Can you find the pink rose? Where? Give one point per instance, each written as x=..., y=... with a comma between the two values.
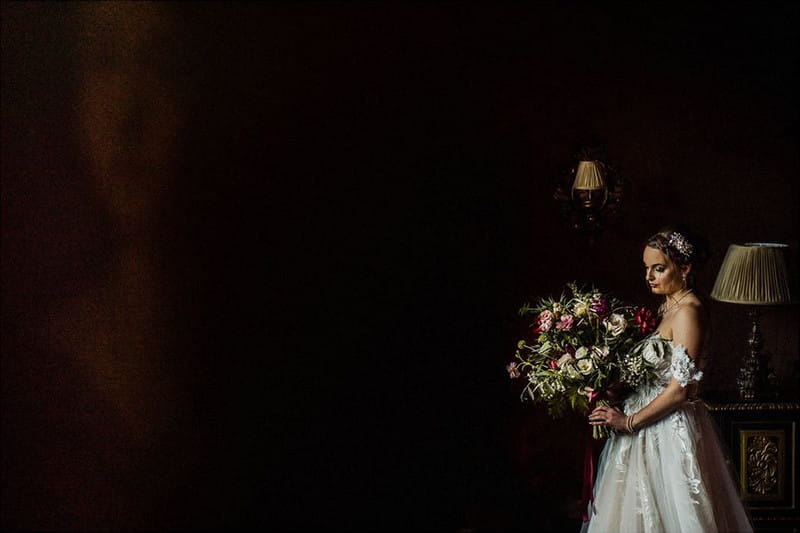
x=545, y=320
x=565, y=322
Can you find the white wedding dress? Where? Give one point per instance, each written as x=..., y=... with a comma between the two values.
x=670, y=476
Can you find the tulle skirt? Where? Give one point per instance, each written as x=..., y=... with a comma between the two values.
x=669, y=477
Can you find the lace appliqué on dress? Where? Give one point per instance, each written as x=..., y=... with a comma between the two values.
x=689, y=461
x=683, y=368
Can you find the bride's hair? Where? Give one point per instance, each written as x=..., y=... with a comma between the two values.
x=681, y=245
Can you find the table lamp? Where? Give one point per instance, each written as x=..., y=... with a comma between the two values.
x=753, y=274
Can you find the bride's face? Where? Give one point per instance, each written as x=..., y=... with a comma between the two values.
x=662, y=275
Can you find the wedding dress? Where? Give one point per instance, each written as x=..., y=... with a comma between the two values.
x=670, y=476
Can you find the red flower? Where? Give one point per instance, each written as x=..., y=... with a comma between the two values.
x=647, y=320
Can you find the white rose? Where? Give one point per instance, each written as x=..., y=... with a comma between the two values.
x=616, y=324
x=581, y=352
x=585, y=366
x=600, y=353
x=566, y=358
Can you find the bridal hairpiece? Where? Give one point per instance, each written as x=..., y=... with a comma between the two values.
x=680, y=244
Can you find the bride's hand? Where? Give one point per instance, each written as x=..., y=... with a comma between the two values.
x=605, y=415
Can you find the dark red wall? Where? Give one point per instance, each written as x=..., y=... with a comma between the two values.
x=261, y=262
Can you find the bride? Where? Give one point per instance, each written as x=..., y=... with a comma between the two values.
x=664, y=470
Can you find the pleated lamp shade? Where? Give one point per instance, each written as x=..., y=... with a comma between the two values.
x=753, y=273
x=588, y=177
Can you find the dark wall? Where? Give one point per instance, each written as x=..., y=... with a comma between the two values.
x=261, y=261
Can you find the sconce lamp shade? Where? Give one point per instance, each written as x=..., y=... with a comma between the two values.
x=753, y=273
x=588, y=177
x=589, y=192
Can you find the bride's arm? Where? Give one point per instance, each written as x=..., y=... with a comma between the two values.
x=687, y=331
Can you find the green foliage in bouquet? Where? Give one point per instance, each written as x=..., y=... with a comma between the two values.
x=579, y=340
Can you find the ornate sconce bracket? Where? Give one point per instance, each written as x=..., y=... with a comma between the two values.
x=589, y=193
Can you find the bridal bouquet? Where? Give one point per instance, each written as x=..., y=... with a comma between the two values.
x=582, y=339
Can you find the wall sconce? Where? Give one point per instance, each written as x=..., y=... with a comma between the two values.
x=753, y=274
x=589, y=194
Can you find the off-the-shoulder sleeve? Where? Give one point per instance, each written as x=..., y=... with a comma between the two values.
x=683, y=368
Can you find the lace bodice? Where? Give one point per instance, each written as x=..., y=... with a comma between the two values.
x=669, y=361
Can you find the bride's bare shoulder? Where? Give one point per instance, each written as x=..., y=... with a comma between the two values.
x=691, y=315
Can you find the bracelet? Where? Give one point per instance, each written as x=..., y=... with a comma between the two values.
x=629, y=424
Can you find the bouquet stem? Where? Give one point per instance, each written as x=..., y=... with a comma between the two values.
x=601, y=432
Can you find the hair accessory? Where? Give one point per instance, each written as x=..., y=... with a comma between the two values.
x=681, y=245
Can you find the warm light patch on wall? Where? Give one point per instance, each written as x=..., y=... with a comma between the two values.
x=128, y=118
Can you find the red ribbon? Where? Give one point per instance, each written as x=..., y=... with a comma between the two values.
x=588, y=464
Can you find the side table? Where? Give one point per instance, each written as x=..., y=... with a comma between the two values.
x=761, y=437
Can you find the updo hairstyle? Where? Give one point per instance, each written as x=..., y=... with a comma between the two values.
x=682, y=247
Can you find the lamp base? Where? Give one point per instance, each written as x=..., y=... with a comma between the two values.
x=752, y=375
x=748, y=383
